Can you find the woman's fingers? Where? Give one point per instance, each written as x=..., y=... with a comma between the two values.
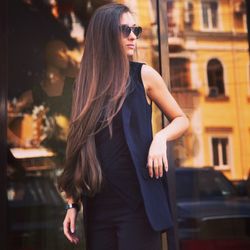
x=165, y=162
x=155, y=166
x=69, y=226
x=150, y=167
x=72, y=225
x=160, y=169
x=66, y=225
x=75, y=239
x=157, y=157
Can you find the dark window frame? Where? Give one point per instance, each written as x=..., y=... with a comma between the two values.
x=220, y=158
x=210, y=14
x=3, y=125
x=215, y=78
x=180, y=77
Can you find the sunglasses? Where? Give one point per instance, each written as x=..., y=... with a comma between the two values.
x=126, y=30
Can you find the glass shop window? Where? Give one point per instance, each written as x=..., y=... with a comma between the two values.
x=45, y=46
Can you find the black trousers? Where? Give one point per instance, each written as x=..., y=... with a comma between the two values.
x=110, y=224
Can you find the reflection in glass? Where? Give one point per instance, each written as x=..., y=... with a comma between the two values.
x=45, y=46
x=44, y=54
x=211, y=215
x=209, y=80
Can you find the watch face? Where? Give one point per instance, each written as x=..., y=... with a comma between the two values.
x=73, y=205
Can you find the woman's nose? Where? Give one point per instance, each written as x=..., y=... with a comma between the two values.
x=132, y=36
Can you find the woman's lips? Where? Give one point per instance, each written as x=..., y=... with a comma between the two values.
x=131, y=46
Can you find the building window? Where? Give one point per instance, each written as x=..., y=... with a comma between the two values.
x=220, y=151
x=240, y=15
x=170, y=16
x=215, y=78
x=210, y=14
x=179, y=73
x=189, y=15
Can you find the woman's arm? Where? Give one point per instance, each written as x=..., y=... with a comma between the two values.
x=25, y=100
x=158, y=92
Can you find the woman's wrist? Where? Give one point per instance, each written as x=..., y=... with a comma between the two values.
x=71, y=205
x=162, y=135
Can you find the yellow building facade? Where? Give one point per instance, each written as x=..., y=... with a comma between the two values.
x=209, y=71
x=210, y=37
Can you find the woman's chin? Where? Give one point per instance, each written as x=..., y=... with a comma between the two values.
x=130, y=53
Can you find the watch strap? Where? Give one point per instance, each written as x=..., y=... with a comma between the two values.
x=72, y=205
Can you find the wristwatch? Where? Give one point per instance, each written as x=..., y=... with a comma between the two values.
x=72, y=205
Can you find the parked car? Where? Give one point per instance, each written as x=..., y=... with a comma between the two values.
x=211, y=214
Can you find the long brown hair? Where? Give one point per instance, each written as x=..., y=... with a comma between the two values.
x=99, y=93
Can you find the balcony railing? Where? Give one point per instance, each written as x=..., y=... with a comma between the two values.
x=175, y=38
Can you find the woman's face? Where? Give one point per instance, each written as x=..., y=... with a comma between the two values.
x=56, y=54
x=130, y=41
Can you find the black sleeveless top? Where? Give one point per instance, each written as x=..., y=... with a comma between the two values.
x=57, y=104
x=117, y=166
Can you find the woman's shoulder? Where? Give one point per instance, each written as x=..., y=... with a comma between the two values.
x=143, y=67
x=149, y=73
x=144, y=70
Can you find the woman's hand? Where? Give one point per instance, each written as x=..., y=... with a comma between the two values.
x=69, y=225
x=157, y=156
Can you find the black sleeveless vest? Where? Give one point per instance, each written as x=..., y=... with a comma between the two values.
x=137, y=115
x=136, y=118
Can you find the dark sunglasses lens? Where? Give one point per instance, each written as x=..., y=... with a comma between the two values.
x=137, y=31
x=126, y=30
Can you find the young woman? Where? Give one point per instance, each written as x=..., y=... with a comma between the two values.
x=114, y=164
